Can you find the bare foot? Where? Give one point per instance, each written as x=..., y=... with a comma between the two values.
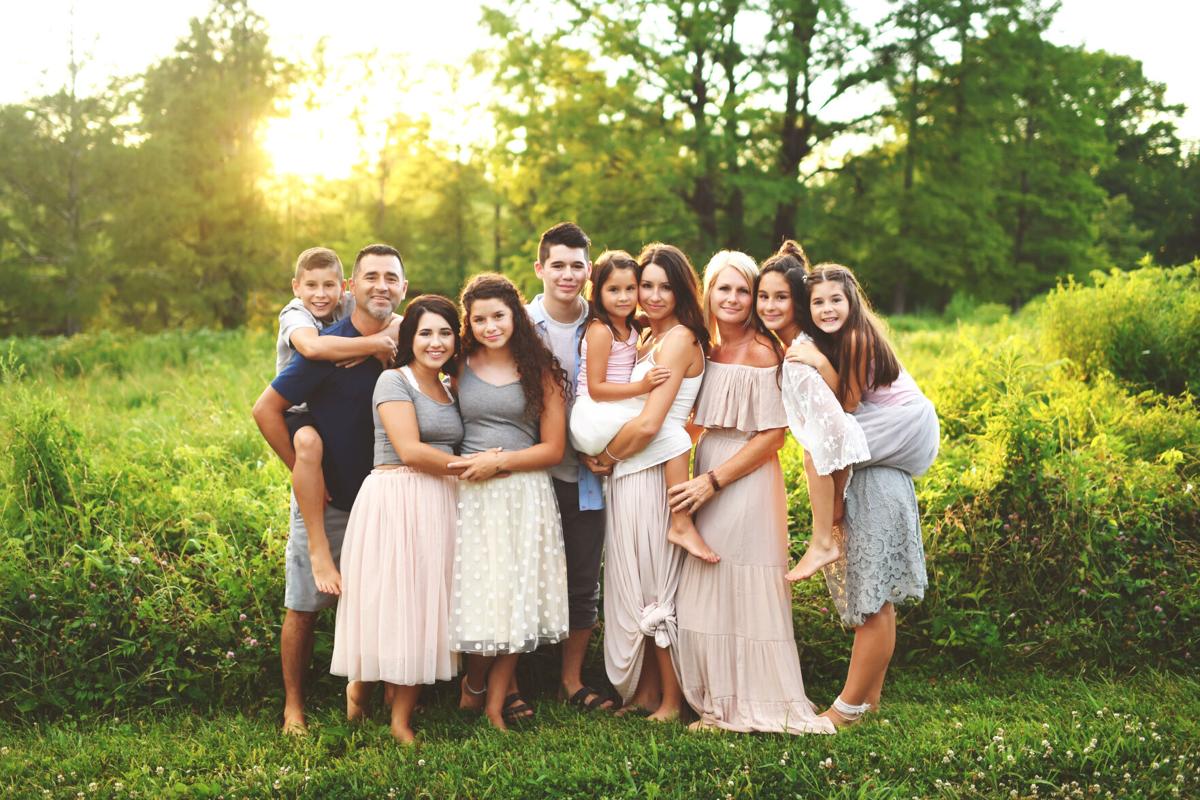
x=293, y=722
x=703, y=725
x=690, y=539
x=637, y=709
x=664, y=714
x=497, y=720
x=813, y=559
x=468, y=698
x=358, y=697
x=403, y=734
x=326, y=576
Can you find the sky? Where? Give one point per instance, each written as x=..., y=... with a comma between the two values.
x=123, y=37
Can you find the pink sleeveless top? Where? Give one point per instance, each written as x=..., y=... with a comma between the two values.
x=620, y=361
x=900, y=392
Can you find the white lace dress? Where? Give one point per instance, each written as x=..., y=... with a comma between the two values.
x=833, y=438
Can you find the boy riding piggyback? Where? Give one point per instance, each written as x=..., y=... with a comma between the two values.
x=320, y=300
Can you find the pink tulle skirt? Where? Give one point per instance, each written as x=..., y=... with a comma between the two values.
x=392, y=618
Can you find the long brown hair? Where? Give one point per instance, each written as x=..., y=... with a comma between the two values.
x=860, y=345
x=533, y=359
x=681, y=277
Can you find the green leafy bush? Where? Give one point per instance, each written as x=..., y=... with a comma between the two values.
x=1142, y=326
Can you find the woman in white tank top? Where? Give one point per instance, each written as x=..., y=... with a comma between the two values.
x=641, y=566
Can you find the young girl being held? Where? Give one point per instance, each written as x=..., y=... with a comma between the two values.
x=605, y=399
x=845, y=342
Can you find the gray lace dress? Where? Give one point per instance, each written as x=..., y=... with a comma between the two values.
x=885, y=559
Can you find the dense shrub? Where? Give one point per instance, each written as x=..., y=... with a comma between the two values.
x=142, y=520
x=1061, y=518
x=145, y=567
x=1142, y=326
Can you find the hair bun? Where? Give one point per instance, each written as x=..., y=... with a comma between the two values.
x=791, y=247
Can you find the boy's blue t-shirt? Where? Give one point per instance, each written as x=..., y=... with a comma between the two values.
x=340, y=402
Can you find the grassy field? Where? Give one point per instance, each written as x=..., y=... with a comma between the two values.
x=1022, y=736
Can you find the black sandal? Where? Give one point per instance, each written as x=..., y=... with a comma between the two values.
x=580, y=701
x=514, y=708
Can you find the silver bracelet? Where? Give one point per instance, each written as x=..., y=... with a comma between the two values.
x=610, y=455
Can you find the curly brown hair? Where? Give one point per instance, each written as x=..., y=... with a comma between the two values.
x=533, y=359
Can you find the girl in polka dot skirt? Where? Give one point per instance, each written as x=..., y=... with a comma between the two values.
x=509, y=591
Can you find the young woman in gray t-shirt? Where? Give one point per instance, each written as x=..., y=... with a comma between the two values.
x=509, y=590
x=392, y=620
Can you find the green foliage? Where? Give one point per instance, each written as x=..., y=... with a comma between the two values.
x=142, y=516
x=145, y=564
x=1142, y=326
x=1060, y=518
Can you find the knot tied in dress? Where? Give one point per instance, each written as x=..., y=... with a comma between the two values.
x=655, y=619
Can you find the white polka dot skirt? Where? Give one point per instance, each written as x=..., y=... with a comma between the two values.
x=510, y=574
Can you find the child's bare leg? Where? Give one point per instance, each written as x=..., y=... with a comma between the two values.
x=308, y=483
x=682, y=532
x=840, y=477
x=822, y=549
x=358, y=697
x=404, y=700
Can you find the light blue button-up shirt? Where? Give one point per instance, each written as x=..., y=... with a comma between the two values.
x=591, y=494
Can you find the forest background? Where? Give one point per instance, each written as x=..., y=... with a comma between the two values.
x=992, y=164
x=1031, y=208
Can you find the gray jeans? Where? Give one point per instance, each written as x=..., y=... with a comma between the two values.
x=300, y=592
x=583, y=543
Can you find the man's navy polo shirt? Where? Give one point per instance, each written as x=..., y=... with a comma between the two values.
x=340, y=402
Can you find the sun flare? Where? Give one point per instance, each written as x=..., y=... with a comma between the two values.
x=311, y=143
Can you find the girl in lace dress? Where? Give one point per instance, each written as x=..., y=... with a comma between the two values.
x=605, y=398
x=831, y=438
x=882, y=561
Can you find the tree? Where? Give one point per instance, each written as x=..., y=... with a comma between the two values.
x=198, y=235
x=60, y=169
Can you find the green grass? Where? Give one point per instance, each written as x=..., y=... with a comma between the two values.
x=962, y=736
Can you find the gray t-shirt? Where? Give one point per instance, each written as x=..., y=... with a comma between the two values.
x=295, y=316
x=562, y=339
x=493, y=416
x=439, y=422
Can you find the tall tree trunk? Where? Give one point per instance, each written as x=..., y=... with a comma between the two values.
x=796, y=123
x=703, y=198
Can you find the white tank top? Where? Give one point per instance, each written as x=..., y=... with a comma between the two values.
x=672, y=438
